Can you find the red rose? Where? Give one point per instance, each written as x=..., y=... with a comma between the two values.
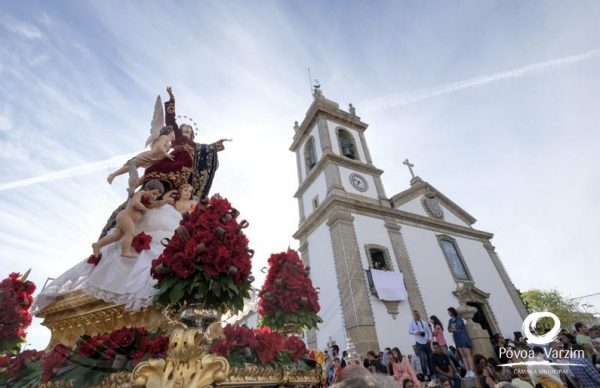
x=220, y=347
x=54, y=361
x=94, y=259
x=141, y=242
x=296, y=347
x=158, y=346
x=88, y=348
x=183, y=268
x=29, y=287
x=122, y=338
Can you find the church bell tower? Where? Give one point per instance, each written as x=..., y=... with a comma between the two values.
x=343, y=230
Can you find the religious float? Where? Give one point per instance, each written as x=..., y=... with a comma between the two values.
x=146, y=309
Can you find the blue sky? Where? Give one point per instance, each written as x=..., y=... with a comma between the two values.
x=495, y=102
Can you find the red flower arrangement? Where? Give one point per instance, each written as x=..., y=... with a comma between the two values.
x=24, y=368
x=207, y=257
x=15, y=301
x=54, y=361
x=95, y=357
x=258, y=346
x=288, y=298
x=141, y=242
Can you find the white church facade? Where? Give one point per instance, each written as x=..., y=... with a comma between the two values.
x=351, y=234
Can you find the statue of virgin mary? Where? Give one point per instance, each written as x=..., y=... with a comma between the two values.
x=128, y=281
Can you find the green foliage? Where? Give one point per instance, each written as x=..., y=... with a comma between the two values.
x=568, y=311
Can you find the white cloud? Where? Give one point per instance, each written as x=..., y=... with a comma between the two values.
x=387, y=102
x=23, y=29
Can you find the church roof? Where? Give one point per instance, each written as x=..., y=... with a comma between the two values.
x=419, y=188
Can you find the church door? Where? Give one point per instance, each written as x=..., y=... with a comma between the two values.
x=481, y=318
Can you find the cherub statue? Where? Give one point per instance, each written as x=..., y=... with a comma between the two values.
x=160, y=141
x=184, y=200
x=127, y=218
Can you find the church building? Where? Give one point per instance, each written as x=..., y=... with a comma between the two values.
x=376, y=258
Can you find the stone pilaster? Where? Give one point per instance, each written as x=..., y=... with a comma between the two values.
x=301, y=209
x=415, y=299
x=298, y=161
x=512, y=290
x=353, y=291
x=333, y=180
x=363, y=142
x=324, y=138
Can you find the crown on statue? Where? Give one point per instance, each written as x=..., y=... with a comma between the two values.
x=188, y=121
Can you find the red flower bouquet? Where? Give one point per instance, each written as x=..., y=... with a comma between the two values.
x=288, y=299
x=94, y=358
x=22, y=368
x=15, y=318
x=207, y=260
x=141, y=242
x=258, y=346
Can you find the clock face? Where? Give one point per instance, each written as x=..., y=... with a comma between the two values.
x=359, y=182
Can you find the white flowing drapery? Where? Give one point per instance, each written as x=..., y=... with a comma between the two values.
x=118, y=279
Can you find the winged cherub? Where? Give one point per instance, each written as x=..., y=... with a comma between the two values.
x=160, y=140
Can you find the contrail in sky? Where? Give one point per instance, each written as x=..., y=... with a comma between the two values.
x=84, y=169
x=373, y=105
x=394, y=100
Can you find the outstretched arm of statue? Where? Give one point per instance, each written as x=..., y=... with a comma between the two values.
x=220, y=144
x=136, y=202
x=170, y=112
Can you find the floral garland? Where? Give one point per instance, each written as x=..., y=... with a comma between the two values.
x=15, y=301
x=288, y=298
x=207, y=257
x=260, y=346
x=24, y=368
x=92, y=359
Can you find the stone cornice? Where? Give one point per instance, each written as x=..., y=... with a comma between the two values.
x=329, y=206
x=327, y=108
x=337, y=160
x=421, y=188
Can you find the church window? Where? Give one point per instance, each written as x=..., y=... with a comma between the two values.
x=378, y=257
x=347, y=146
x=310, y=155
x=454, y=258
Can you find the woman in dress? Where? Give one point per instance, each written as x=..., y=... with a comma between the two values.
x=401, y=370
x=456, y=326
x=438, y=333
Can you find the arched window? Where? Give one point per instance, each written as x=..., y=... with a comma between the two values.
x=310, y=155
x=347, y=146
x=454, y=258
x=378, y=257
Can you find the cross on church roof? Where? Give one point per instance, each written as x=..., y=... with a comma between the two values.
x=415, y=178
x=410, y=166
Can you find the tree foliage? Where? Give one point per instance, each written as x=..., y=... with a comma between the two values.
x=567, y=310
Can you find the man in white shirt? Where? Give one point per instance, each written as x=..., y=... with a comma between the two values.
x=422, y=333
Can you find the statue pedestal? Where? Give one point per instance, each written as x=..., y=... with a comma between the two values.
x=77, y=313
x=480, y=338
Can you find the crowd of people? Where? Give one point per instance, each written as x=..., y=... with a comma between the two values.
x=574, y=360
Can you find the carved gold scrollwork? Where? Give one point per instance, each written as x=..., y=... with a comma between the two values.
x=186, y=364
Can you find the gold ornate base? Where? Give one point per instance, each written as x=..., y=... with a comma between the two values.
x=76, y=313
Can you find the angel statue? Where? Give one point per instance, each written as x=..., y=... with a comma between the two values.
x=160, y=140
x=189, y=162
